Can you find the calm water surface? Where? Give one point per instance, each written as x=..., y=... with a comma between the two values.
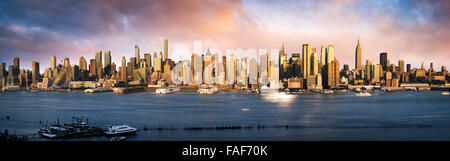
x=412, y=115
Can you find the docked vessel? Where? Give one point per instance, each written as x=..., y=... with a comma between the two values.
x=98, y=90
x=120, y=130
x=363, y=94
x=167, y=90
x=267, y=91
x=208, y=90
x=78, y=128
x=123, y=90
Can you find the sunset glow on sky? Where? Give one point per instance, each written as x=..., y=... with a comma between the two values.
x=414, y=30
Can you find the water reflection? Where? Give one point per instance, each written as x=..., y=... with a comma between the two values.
x=281, y=99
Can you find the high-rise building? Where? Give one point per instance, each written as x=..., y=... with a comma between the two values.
x=148, y=60
x=323, y=55
x=384, y=61
x=333, y=74
x=242, y=79
x=74, y=72
x=368, y=70
x=67, y=63
x=253, y=79
x=274, y=76
x=314, y=65
x=136, y=55
x=2, y=70
x=16, y=64
x=330, y=53
x=98, y=59
x=157, y=63
x=358, y=57
x=408, y=68
x=283, y=63
x=107, y=64
x=35, y=72
x=376, y=72
x=53, y=62
x=166, y=49
x=401, y=65
x=198, y=69
x=93, y=67
x=306, y=51
x=83, y=64
x=123, y=70
x=264, y=69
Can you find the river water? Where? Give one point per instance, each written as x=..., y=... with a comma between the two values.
x=406, y=115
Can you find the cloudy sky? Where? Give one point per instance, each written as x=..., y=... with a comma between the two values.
x=413, y=30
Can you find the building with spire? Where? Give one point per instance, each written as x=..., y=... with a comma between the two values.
x=358, y=57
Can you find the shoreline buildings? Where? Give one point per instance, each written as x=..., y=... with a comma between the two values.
x=306, y=70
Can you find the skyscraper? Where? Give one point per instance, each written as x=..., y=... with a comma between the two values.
x=401, y=65
x=98, y=59
x=264, y=69
x=2, y=70
x=93, y=67
x=136, y=55
x=323, y=54
x=314, y=64
x=166, y=49
x=253, y=79
x=83, y=64
x=358, y=57
x=198, y=69
x=283, y=63
x=16, y=64
x=376, y=72
x=148, y=60
x=35, y=72
x=368, y=70
x=107, y=63
x=306, y=51
x=123, y=70
x=67, y=63
x=53, y=62
x=384, y=61
x=330, y=53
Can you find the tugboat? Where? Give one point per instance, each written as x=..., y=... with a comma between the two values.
x=120, y=130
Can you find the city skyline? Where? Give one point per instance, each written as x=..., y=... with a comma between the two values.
x=410, y=30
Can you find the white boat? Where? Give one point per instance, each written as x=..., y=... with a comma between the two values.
x=167, y=90
x=363, y=94
x=245, y=109
x=162, y=91
x=327, y=91
x=208, y=90
x=120, y=130
x=445, y=93
x=267, y=91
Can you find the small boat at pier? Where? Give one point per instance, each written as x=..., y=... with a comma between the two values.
x=120, y=130
x=208, y=90
x=167, y=90
x=363, y=94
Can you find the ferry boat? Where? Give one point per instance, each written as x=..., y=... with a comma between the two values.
x=120, y=130
x=445, y=93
